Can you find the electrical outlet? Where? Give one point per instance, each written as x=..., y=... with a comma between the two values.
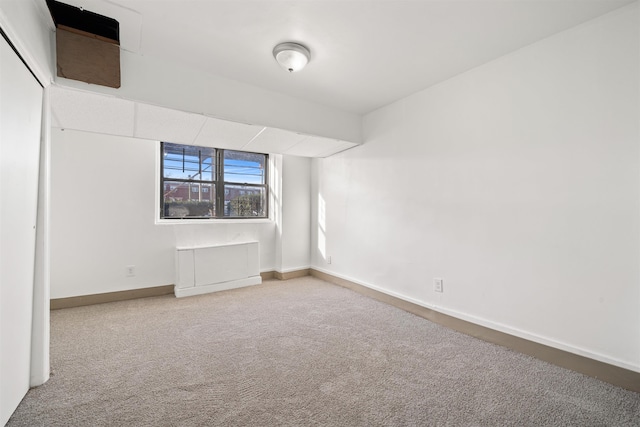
x=329, y=259
x=438, y=284
x=131, y=270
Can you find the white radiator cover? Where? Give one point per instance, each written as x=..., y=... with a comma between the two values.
x=204, y=269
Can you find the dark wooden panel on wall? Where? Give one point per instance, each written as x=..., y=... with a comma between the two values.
x=87, y=45
x=87, y=58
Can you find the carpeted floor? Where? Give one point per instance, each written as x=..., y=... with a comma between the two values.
x=300, y=352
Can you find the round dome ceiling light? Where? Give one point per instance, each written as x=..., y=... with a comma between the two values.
x=291, y=56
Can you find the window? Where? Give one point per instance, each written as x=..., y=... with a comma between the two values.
x=203, y=182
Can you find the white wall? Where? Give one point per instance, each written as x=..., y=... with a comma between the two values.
x=40, y=369
x=517, y=182
x=20, y=120
x=103, y=217
x=294, y=234
x=30, y=28
x=102, y=200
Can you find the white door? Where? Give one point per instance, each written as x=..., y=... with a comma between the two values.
x=20, y=130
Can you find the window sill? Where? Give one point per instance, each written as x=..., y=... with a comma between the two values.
x=213, y=221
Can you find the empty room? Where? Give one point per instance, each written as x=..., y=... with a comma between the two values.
x=320, y=212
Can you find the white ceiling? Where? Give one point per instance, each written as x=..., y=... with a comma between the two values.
x=364, y=53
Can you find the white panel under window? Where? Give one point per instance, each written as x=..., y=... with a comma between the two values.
x=214, y=268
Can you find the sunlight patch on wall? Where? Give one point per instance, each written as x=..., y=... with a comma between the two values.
x=322, y=243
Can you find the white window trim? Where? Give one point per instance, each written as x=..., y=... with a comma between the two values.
x=201, y=221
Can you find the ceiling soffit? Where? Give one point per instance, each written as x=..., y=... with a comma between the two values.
x=91, y=112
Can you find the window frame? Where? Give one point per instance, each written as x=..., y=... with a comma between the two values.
x=218, y=186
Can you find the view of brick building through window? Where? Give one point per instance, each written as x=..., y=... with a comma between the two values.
x=203, y=182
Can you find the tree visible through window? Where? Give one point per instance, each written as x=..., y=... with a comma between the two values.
x=204, y=182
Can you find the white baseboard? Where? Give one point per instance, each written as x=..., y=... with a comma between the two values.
x=493, y=325
x=234, y=284
x=290, y=270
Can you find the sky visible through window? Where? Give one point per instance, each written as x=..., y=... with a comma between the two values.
x=198, y=163
x=243, y=172
x=188, y=162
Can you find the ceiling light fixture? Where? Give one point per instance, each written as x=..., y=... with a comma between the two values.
x=291, y=56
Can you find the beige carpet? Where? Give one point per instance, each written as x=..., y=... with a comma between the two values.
x=300, y=352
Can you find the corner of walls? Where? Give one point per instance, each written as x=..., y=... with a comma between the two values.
x=40, y=369
x=104, y=222
x=518, y=182
x=292, y=213
x=296, y=213
x=275, y=205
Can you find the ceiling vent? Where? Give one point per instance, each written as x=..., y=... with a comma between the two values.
x=87, y=45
